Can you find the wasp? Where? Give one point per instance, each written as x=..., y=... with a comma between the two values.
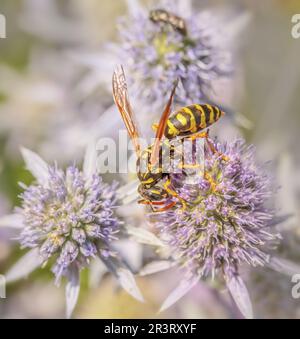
x=186, y=122
x=163, y=16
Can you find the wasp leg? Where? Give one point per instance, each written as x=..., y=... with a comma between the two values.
x=174, y=194
x=167, y=207
x=213, y=149
x=158, y=203
x=189, y=166
x=210, y=144
x=154, y=203
x=155, y=127
x=198, y=136
x=151, y=203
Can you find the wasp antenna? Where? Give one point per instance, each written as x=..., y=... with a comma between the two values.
x=119, y=68
x=176, y=83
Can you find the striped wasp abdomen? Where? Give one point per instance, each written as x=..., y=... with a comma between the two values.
x=191, y=119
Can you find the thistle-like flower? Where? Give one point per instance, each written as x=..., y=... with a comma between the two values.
x=68, y=218
x=158, y=53
x=226, y=223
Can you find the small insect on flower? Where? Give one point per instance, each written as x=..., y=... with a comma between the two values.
x=165, y=17
x=168, y=43
x=187, y=122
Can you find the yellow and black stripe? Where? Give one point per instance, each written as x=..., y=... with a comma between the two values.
x=149, y=176
x=192, y=119
x=155, y=193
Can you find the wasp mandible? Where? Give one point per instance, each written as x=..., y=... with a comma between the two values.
x=186, y=122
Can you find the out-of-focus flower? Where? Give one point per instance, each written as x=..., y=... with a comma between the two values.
x=46, y=108
x=119, y=305
x=69, y=24
x=68, y=218
x=227, y=221
x=45, y=105
x=29, y=103
x=157, y=55
x=5, y=234
x=271, y=291
x=48, y=301
x=57, y=28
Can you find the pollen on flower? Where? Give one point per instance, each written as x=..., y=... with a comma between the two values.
x=69, y=218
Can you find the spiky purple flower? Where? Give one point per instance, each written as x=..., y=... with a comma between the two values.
x=69, y=219
x=227, y=219
x=158, y=54
x=227, y=216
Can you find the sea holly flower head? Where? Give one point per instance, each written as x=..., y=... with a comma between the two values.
x=158, y=54
x=68, y=218
x=227, y=219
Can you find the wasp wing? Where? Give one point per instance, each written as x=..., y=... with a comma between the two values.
x=120, y=93
x=161, y=127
